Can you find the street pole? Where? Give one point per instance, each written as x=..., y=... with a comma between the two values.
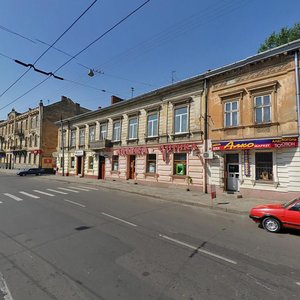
x=62, y=147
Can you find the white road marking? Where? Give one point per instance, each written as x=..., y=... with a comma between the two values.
x=4, y=288
x=74, y=202
x=79, y=188
x=298, y=283
x=68, y=190
x=88, y=187
x=29, y=195
x=126, y=222
x=13, y=197
x=1, y=202
x=59, y=192
x=197, y=249
x=44, y=193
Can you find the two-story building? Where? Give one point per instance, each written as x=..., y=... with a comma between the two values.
x=253, y=125
x=156, y=138
x=28, y=139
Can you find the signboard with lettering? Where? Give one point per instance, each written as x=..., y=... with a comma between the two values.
x=132, y=151
x=287, y=142
x=166, y=149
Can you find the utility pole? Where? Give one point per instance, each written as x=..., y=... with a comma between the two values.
x=62, y=146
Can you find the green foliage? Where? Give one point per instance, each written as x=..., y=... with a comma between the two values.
x=284, y=36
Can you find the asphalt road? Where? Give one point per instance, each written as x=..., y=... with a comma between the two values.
x=67, y=241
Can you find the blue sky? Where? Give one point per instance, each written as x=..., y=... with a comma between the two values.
x=165, y=37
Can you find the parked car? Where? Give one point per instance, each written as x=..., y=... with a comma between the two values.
x=32, y=171
x=273, y=217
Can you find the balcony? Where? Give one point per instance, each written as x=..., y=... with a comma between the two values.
x=19, y=132
x=99, y=145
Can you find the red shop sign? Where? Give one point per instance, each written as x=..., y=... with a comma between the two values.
x=132, y=151
x=165, y=149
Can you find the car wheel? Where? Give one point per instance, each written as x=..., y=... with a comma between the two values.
x=271, y=224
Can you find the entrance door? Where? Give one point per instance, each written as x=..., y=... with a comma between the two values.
x=79, y=165
x=131, y=166
x=233, y=177
x=101, y=167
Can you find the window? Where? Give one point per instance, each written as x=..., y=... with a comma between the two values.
x=151, y=163
x=26, y=124
x=81, y=136
x=92, y=134
x=72, y=162
x=152, y=124
x=264, y=166
x=231, y=113
x=115, y=163
x=117, y=131
x=262, y=106
x=91, y=162
x=73, y=138
x=181, y=120
x=179, y=164
x=30, y=141
x=132, y=134
x=103, y=132
x=36, y=140
x=34, y=158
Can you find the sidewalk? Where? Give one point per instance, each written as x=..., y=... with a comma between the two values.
x=225, y=202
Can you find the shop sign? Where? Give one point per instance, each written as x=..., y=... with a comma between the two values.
x=79, y=153
x=132, y=151
x=247, y=170
x=166, y=149
x=288, y=142
x=37, y=151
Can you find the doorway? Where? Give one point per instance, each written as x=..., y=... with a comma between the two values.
x=131, y=167
x=233, y=173
x=79, y=165
x=101, y=167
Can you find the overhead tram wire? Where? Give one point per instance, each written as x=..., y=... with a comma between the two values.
x=81, y=51
x=19, y=78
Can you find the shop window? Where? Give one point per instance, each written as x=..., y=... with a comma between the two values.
x=132, y=133
x=152, y=125
x=91, y=162
x=92, y=134
x=72, y=162
x=151, y=163
x=73, y=138
x=103, y=132
x=179, y=164
x=231, y=113
x=81, y=136
x=262, y=106
x=181, y=120
x=264, y=166
x=117, y=131
x=61, y=162
x=115, y=163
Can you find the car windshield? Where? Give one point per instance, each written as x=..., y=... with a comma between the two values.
x=287, y=204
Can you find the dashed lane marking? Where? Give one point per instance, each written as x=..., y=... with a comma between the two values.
x=80, y=189
x=43, y=193
x=13, y=197
x=79, y=204
x=197, y=249
x=126, y=222
x=68, y=190
x=55, y=191
x=29, y=195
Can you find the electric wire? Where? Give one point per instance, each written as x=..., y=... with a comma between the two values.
x=80, y=52
x=20, y=77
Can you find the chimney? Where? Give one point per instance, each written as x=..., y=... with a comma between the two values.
x=115, y=99
x=77, y=108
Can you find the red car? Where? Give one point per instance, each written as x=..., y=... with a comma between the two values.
x=273, y=217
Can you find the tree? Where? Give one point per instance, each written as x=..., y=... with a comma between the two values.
x=284, y=36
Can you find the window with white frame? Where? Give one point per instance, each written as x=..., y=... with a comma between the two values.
x=181, y=120
x=117, y=130
x=92, y=133
x=115, y=163
x=81, y=136
x=262, y=107
x=132, y=132
x=152, y=125
x=73, y=138
x=103, y=132
x=231, y=113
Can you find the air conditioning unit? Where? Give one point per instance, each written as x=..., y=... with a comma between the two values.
x=208, y=155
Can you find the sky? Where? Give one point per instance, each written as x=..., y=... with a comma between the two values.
x=165, y=41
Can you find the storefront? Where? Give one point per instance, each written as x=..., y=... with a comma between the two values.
x=260, y=167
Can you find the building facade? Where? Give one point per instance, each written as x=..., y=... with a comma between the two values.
x=156, y=138
x=254, y=127
x=29, y=139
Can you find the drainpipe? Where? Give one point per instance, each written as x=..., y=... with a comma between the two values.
x=205, y=134
x=297, y=89
x=62, y=146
